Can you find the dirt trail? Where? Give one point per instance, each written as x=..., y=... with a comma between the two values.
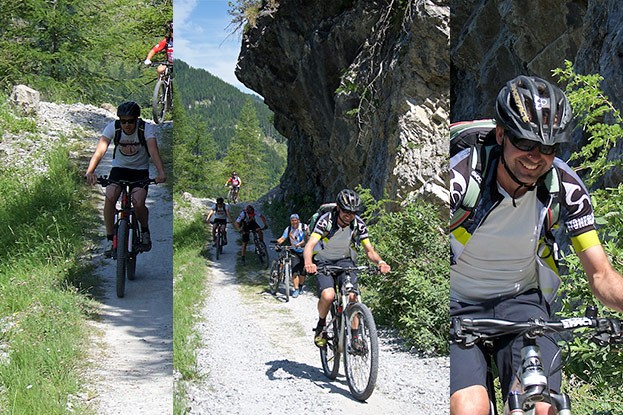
x=133, y=362
x=258, y=357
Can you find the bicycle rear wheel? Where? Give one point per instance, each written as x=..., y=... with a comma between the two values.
x=122, y=255
x=361, y=364
x=159, y=101
x=273, y=278
x=330, y=353
x=287, y=274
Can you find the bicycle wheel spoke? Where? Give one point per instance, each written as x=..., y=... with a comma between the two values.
x=361, y=359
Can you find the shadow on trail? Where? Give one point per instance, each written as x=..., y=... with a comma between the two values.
x=287, y=369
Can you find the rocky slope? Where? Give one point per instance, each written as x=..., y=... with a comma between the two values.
x=360, y=89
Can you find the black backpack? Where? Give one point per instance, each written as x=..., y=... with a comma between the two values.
x=141, y=136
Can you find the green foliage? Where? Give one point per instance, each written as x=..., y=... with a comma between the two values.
x=245, y=13
x=414, y=296
x=598, y=371
x=44, y=218
x=81, y=50
x=591, y=107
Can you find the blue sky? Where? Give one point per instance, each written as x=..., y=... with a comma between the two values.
x=202, y=39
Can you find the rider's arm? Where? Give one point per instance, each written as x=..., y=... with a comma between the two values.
x=100, y=151
x=308, y=253
x=374, y=256
x=154, y=153
x=264, y=220
x=606, y=283
x=157, y=48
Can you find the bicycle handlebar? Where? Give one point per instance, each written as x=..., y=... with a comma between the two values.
x=334, y=269
x=165, y=63
x=469, y=331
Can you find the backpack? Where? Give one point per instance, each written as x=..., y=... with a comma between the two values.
x=141, y=136
x=479, y=135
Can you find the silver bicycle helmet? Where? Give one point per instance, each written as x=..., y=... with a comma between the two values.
x=532, y=108
x=348, y=200
x=129, y=109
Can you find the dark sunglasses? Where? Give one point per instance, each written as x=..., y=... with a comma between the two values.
x=348, y=212
x=524, y=144
x=132, y=121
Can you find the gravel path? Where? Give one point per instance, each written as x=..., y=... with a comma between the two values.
x=259, y=358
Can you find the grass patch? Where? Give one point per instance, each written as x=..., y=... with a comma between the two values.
x=189, y=291
x=43, y=300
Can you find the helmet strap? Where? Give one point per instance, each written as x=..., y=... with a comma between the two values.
x=515, y=179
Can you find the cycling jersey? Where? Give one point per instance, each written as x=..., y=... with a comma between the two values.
x=165, y=44
x=337, y=242
x=220, y=212
x=234, y=181
x=296, y=236
x=245, y=217
x=576, y=213
x=130, y=156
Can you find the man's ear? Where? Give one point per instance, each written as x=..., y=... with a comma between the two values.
x=499, y=134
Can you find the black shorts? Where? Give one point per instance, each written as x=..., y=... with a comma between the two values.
x=223, y=221
x=132, y=175
x=327, y=281
x=468, y=366
x=297, y=263
x=247, y=227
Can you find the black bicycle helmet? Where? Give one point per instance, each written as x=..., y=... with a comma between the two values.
x=348, y=200
x=129, y=109
x=250, y=209
x=532, y=108
x=220, y=200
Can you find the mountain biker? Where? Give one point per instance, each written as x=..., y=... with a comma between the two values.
x=234, y=183
x=245, y=223
x=497, y=267
x=166, y=45
x=297, y=233
x=131, y=162
x=220, y=211
x=336, y=249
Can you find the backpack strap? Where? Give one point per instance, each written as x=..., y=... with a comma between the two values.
x=141, y=136
x=479, y=158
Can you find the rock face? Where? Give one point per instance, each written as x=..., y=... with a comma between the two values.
x=360, y=89
x=496, y=40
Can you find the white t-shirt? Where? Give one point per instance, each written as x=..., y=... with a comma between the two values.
x=134, y=156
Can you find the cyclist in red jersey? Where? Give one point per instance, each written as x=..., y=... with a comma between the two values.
x=166, y=45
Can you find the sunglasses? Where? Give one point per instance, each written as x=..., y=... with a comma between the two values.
x=132, y=121
x=524, y=144
x=348, y=212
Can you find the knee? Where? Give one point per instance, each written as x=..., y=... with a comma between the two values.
x=327, y=294
x=472, y=400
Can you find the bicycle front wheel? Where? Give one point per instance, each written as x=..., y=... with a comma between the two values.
x=273, y=278
x=219, y=245
x=361, y=357
x=122, y=255
x=262, y=253
x=330, y=353
x=287, y=274
x=133, y=242
x=159, y=101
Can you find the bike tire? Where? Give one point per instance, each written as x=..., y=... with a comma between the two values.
x=273, y=278
x=158, y=101
x=230, y=197
x=330, y=353
x=122, y=255
x=263, y=254
x=131, y=259
x=219, y=245
x=287, y=274
x=361, y=367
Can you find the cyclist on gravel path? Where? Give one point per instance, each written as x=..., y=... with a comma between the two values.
x=297, y=233
x=234, y=183
x=220, y=211
x=336, y=231
x=130, y=162
x=498, y=268
x=246, y=222
x=166, y=45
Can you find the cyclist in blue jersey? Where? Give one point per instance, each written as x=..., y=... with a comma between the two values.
x=297, y=234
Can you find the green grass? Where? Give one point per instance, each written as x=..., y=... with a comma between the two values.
x=43, y=300
x=190, y=270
